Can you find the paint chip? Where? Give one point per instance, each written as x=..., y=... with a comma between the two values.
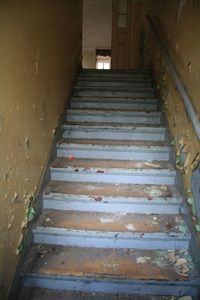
x=130, y=227
x=106, y=220
x=142, y=259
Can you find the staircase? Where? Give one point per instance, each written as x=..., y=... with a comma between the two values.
x=113, y=218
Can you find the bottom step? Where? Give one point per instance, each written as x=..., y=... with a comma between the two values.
x=111, y=270
x=46, y=294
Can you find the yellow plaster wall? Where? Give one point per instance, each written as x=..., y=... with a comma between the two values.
x=39, y=54
x=179, y=23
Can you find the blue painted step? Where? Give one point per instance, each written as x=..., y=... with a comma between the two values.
x=99, y=197
x=113, y=116
x=114, y=132
x=111, y=171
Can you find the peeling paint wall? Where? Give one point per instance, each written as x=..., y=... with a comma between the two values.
x=179, y=23
x=97, y=27
x=39, y=55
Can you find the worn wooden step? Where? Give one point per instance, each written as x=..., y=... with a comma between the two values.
x=113, y=171
x=113, y=116
x=108, y=149
x=105, y=197
x=124, y=93
x=114, y=131
x=49, y=294
x=111, y=270
x=112, y=230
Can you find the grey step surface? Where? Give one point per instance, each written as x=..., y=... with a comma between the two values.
x=107, y=149
x=81, y=92
x=111, y=79
x=111, y=270
x=97, y=197
x=118, y=84
x=110, y=105
x=49, y=294
x=114, y=74
x=113, y=171
x=114, y=100
x=114, y=131
x=110, y=116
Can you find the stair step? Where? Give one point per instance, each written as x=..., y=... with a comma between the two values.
x=114, y=74
x=49, y=294
x=114, y=131
x=110, y=105
x=103, y=197
x=109, y=84
x=101, y=93
x=113, y=171
x=112, y=230
x=110, y=116
x=116, y=100
x=111, y=79
x=111, y=270
x=108, y=149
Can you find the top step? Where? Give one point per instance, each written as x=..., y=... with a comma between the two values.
x=114, y=73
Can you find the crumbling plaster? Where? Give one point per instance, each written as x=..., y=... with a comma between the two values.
x=39, y=55
x=178, y=22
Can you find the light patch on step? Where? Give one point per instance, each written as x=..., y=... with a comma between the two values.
x=130, y=227
x=106, y=220
x=155, y=193
x=142, y=259
x=151, y=164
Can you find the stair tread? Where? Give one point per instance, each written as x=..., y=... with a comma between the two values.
x=103, y=164
x=126, y=143
x=115, y=112
x=110, y=263
x=111, y=222
x=48, y=294
x=112, y=190
x=113, y=125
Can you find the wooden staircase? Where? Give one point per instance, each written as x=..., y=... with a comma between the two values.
x=113, y=218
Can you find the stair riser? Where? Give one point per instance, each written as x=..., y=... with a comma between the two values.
x=112, y=153
x=142, y=178
x=103, y=93
x=114, y=119
x=123, y=205
x=113, y=84
x=117, y=106
x=153, y=241
x=86, y=284
x=115, y=135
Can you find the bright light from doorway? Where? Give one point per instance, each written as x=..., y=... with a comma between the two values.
x=103, y=65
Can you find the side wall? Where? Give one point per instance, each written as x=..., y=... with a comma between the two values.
x=39, y=55
x=97, y=27
x=178, y=21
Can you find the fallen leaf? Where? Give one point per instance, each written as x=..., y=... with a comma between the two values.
x=180, y=262
x=47, y=220
x=169, y=226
